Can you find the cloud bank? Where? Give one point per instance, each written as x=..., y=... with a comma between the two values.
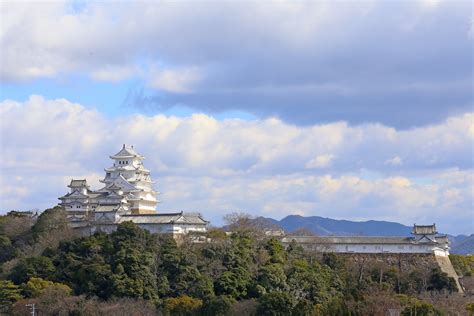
x=409, y=62
x=264, y=166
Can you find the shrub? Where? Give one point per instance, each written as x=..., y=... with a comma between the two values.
x=182, y=306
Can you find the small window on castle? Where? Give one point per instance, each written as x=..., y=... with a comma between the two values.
x=78, y=206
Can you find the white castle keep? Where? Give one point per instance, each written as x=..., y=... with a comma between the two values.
x=127, y=195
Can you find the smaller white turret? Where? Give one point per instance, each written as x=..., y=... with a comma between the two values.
x=425, y=233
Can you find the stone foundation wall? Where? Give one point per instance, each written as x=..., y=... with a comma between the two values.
x=404, y=263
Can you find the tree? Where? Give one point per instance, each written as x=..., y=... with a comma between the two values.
x=134, y=258
x=37, y=286
x=51, y=227
x=276, y=250
x=440, y=280
x=182, y=305
x=13, y=226
x=218, y=306
x=275, y=304
x=33, y=267
x=9, y=293
x=333, y=261
x=239, y=221
x=233, y=283
x=7, y=250
x=272, y=277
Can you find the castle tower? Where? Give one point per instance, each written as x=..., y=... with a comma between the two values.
x=424, y=233
x=76, y=202
x=133, y=179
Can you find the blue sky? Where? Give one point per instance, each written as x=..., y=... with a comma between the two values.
x=306, y=103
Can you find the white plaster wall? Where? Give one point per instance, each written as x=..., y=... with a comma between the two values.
x=370, y=248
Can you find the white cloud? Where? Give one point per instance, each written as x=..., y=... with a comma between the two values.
x=282, y=59
x=175, y=80
x=261, y=166
x=321, y=161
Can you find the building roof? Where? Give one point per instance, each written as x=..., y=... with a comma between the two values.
x=349, y=240
x=78, y=183
x=119, y=182
x=163, y=218
x=424, y=229
x=74, y=194
x=126, y=152
x=440, y=240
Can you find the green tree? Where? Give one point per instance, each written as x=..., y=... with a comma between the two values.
x=7, y=250
x=9, y=293
x=314, y=282
x=134, y=256
x=272, y=277
x=275, y=304
x=234, y=283
x=84, y=263
x=334, y=261
x=36, y=286
x=276, y=250
x=441, y=281
x=218, y=306
x=32, y=267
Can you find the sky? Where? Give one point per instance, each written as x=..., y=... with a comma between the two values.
x=345, y=109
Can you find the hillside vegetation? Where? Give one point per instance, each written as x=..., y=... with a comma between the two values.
x=464, y=265
x=245, y=273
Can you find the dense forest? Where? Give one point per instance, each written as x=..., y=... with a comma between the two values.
x=133, y=272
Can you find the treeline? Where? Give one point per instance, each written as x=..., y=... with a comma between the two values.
x=245, y=273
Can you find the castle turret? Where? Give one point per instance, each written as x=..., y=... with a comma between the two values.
x=424, y=232
x=128, y=173
x=76, y=202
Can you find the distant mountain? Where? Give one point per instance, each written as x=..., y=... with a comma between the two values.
x=462, y=244
x=327, y=226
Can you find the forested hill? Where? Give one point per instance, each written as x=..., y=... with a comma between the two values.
x=134, y=272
